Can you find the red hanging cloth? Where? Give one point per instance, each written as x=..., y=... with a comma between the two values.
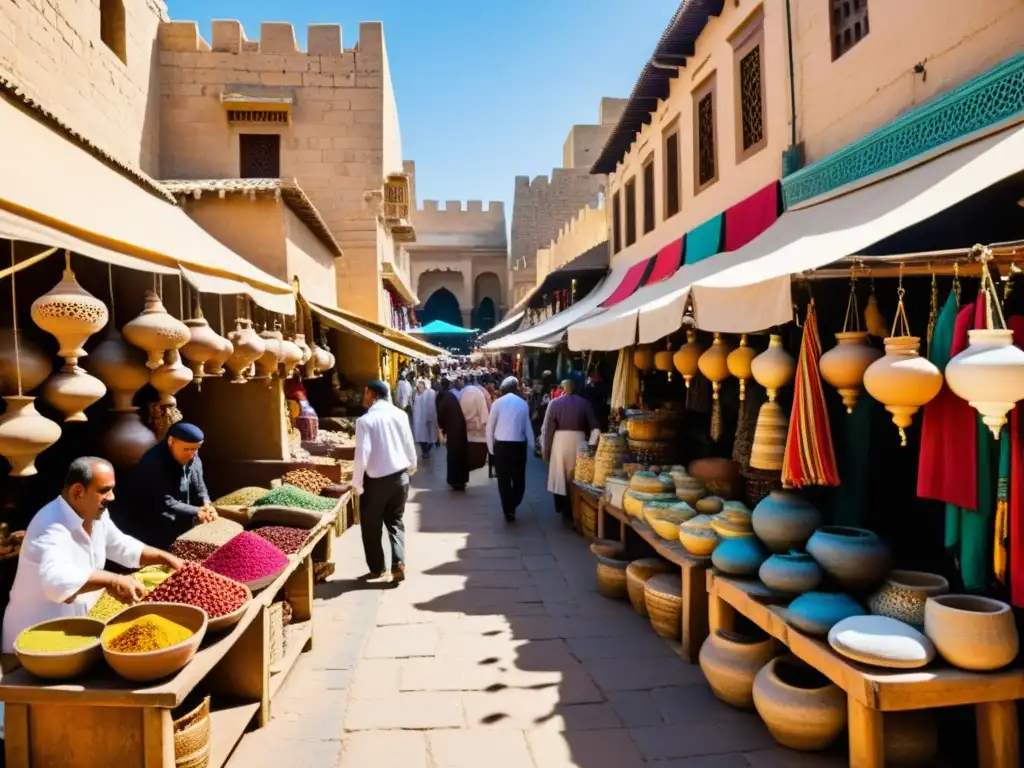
x=1016, y=512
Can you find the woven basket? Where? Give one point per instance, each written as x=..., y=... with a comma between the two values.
x=584, y=472
x=611, y=578
x=192, y=738
x=586, y=520
x=637, y=574
x=663, y=595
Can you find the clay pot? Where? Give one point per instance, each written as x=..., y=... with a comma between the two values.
x=740, y=556
x=71, y=314
x=71, y=391
x=989, y=375
x=731, y=660
x=801, y=708
x=817, y=612
x=720, y=476
x=155, y=331
x=793, y=573
x=266, y=365
x=698, y=542
x=713, y=364
x=248, y=348
x=911, y=738
x=739, y=361
x=24, y=434
x=769, y=447
x=637, y=574
x=902, y=380
x=783, y=520
x=904, y=594
x=710, y=505
x=215, y=365
x=731, y=529
x=971, y=632
x=687, y=357
x=307, y=352
x=126, y=438
x=843, y=366
x=774, y=368
x=643, y=358
x=34, y=366
x=854, y=557
x=290, y=358
x=202, y=346
x=323, y=361
x=120, y=366
x=170, y=378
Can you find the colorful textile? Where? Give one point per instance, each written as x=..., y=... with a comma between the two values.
x=1001, y=543
x=667, y=262
x=633, y=279
x=749, y=218
x=854, y=448
x=704, y=241
x=1015, y=512
x=809, y=458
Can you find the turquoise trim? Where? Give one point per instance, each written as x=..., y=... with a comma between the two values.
x=704, y=240
x=986, y=100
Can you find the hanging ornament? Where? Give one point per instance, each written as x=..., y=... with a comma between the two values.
x=643, y=358
x=71, y=390
x=874, y=321
x=902, y=380
x=19, y=355
x=843, y=366
x=170, y=378
x=291, y=357
x=989, y=374
x=266, y=364
x=686, y=358
x=248, y=348
x=324, y=360
x=663, y=360
x=739, y=361
x=300, y=342
x=215, y=365
x=774, y=368
x=69, y=313
x=156, y=331
x=203, y=345
x=714, y=364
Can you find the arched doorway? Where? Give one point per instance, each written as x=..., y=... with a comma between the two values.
x=442, y=305
x=485, y=315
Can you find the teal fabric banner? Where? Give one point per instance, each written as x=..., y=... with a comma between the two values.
x=704, y=241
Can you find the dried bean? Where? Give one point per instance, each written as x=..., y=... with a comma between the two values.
x=289, y=540
x=198, y=586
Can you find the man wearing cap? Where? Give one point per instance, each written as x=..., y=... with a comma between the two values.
x=508, y=434
x=170, y=493
x=385, y=456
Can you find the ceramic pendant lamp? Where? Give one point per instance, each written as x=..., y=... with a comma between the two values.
x=772, y=369
x=739, y=361
x=155, y=331
x=248, y=349
x=291, y=357
x=266, y=364
x=272, y=339
x=202, y=347
x=215, y=365
x=170, y=378
x=643, y=358
x=687, y=357
x=844, y=365
x=71, y=390
x=69, y=313
x=323, y=360
x=663, y=360
x=120, y=366
x=27, y=359
x=714, y=363
x=300, y=342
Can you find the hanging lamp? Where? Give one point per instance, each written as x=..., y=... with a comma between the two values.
x=155, y=330
x=739, y=361
x=643, y=358
x=715, y=367
x=843, y=366
x=69, y=313
x=772, y=369
x=687, y=357
x=215, y=365
x=663, y=360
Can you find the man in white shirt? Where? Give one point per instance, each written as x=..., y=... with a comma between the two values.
x=67, y=543
x=385, y=457
x=403, y=395
x=508, y=434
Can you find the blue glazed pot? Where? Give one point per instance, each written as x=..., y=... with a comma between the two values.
x=739, y=556
x=793, y=573
x=817, y=612
x=783, y=520
x=854, y=557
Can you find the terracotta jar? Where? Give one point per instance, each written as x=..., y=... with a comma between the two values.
x=248, y=348
x=801, y=708
x=71, y=314
x=971, y=632
x=202, y=347
x=215, y=365
x=902, y=380
x=713, y=364
x=774, y=368
x=34, y=366
x=687, y=357
x=155, y=331
x=731, y=660
x=120, y=366
x=793, y=573
x=170, y=378
x=989, y=375
x=71, y=390
x=769, y=447
x=290, y=357
x=720, y=476
x=643, y=358
x=24, y=434
x=784, y=520
x=856, y=558
x=739, y=361
x=843, y=366
x=126, y=438
x=904, y=594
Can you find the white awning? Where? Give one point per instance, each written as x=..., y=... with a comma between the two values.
x=336, y=319
x=507, y=325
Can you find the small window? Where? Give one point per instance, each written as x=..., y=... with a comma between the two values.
x=630, y=212
x=704, y=145
x=672, y=174
x=849, y=25
x=259, y=155
x=649, y=195
x=748, y=75
x=616, y=223
x=112, y=28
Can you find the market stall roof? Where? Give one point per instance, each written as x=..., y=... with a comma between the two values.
x=749, y=289
x=593, y=262
x=347, y=323
x=441, y=328
x=508, y=325
x=47, y=179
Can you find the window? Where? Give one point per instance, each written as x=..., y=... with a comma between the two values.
x=704, y=146
x=630, y=212
x=259, y=155
x=672, y=174
x=649, y=195
x=748, y=76
x=112, y=29
x=849, y=25
x=616, y=223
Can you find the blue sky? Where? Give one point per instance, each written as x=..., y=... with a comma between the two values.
x=486, y=89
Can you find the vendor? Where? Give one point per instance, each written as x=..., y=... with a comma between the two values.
x=170, y=491
x=300, y=411
x=60, y=569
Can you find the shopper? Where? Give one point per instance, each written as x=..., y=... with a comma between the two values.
x=424, y=417
x=569, y=420
x=385, y=457
x=508, y=435
x=403, y=394
x=475, y=410
x=453, y=425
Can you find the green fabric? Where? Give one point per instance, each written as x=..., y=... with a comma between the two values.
x=851, y=506
x=939, y=354
x=704, y=240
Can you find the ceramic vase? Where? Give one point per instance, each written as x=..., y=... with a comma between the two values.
x=119, y=365
x=290, y=358
x=266, y=364
x=740, y=556
x=687, y=357
x=856, y=558
x=971, y=632
x=248, y=348
x=800, y=707
x=904, y=594
x=769, y=447
x=784, y=520
x=817, y=612
x=843, y=366
x=24, y=434
x=989, y=375
x=643, y=358
x=774, y=368
x=33, y=365
x=155, y=331
x=170, y=378
x=126, y=438
x=215, y=365
x=739, y=361
x=793, y=573
x=731, y=660
x=902, y=380
x=713, y=364
x=203, y=345
x=720, y=476
x=71, y=390
x=70, y=314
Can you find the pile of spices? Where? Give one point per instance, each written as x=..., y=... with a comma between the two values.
x=193, y=551
x=347, y=469
x=146, y=633
x=289, y=540
x=220, y=531
x=109, y=605
x=195, y=585
x=296, y=498
x=243, y=497
x=52, y=641
x=247, y=558
x=307, y=479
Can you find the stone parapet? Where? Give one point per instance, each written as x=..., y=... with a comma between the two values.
x=276, y=37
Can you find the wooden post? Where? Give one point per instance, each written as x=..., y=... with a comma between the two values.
x=695, y=612
x=157, y=738
x=16, y=736
x=244, y=672
x=600, y=516
x=867, y=737
x=998, y=734
x=298, y=591
x=721, y=615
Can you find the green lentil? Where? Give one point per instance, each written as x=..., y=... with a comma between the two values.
x=296, y=498
x=243, y=497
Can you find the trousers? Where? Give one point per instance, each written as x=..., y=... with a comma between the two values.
x=381, y=506
x=510, y=466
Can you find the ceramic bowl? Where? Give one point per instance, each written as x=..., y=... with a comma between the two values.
x=972, y=632
x=817, y=612
x=154, y=665
x=62, y=665
x=228, y=620
x=904, y=595
x=793, y=573
x=729, y=530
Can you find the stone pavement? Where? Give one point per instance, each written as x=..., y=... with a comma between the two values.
x=496, y=651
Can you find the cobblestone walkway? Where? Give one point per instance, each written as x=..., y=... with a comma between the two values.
x=495, y=652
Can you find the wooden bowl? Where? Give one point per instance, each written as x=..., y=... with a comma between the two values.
x=230, y=619
x=61, y=665
x=154, y=665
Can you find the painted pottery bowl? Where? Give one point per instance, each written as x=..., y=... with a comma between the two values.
x=783, y=520
x=854, y=557
x=700, y=542
x=62, y=665
x=729, y=530
x=739, y=556
x=817, y=612
x=971, y=632
x=798, y=704
x=904, y=594
x=793, y=573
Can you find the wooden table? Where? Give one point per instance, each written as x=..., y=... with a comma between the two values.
x=694, y=630
x=104, y=721
x=871, y=691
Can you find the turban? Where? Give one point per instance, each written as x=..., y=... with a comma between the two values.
x=379, y=388
x=187, y=433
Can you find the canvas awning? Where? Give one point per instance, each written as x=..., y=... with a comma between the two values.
x=336, y=319
x=50, y=181
x=508, y=325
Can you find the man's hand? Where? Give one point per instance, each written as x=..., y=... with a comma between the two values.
x=128, y=589
x=173, y=561
x=207, y=513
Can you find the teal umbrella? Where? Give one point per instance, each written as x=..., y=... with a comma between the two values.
x=441, y=328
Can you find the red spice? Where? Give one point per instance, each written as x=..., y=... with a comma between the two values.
x=195, y=585
x=246, y=558
x=289, y=540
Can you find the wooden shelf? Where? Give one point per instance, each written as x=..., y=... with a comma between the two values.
x=227, y=726
x=296, y=637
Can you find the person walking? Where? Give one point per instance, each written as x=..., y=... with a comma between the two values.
x=569, y=419
x=453, y=424
x=424, y=417
x=403, y=394
x=508, y=435
x=385, y=456
x=475, y=410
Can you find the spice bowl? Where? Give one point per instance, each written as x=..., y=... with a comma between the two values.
x=146, y=666
x=62, y=665
x=219, y=623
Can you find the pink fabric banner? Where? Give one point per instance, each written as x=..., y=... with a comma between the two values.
x=749, y=218
x=634, y=276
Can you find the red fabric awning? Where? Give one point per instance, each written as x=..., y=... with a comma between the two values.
x=632, y=280
x=667, y=262
x=749, y=218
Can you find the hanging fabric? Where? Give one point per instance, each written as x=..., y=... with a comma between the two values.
x=1001, y=542
x=854, y=462
x=1015, y=502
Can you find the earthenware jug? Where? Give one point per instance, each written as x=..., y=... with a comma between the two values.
x=784, y=520
x=856, y=558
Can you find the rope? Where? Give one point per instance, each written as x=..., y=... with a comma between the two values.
x=14, y=322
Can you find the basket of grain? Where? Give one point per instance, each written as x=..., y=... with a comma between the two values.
x=192, y=738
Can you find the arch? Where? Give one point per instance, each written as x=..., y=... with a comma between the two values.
x=442, y=305
x=485, y=315
x=112, y=28
x=432, y=280
x=487, y=286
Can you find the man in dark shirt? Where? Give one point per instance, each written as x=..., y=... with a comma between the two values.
x=170, y=492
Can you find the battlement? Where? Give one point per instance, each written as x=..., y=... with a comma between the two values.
x=495, y=208
x=276, y=37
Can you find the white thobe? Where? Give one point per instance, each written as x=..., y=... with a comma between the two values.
x=424, y=417
x=474, y=408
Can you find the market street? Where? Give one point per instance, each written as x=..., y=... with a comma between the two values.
x=496, y=651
